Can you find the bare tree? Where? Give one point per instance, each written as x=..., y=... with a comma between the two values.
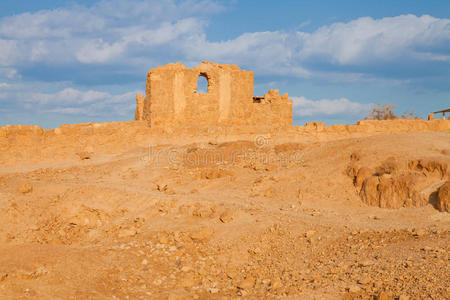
x=386, y=112
x=382, y=112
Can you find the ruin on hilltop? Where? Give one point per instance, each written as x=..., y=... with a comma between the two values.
x=172, y=98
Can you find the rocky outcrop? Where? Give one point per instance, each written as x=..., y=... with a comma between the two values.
x=443, y=203
x=399, y=183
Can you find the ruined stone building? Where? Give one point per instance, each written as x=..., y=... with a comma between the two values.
x=172, y=99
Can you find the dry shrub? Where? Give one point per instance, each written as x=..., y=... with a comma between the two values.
x=386, y=112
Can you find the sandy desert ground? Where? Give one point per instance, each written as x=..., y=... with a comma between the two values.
x=230, y=220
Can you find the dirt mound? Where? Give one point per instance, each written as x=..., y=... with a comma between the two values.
x=225, y=219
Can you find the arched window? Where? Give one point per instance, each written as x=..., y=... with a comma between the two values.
x=202, y=84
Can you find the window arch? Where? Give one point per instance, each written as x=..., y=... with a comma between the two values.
x=202, y=84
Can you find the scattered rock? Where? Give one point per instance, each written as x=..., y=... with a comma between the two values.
x=309, y=233
x=269, y=193
x=419, y=232
x=366, y=263
x=275, y=284
x=383, y=296
x=178, y=295
x=354, y=289
x=226, y=216
x=83, y=155
x=202, y=235
x=25, y=188
x=214, y=173
x=246, y=284
x=34, y=274
x=363, y=281
x=127, y=232
x=355, y=156
x=187, y=282
x=161, y=187
x=169, y=191
x=186, y=269
x=213, y=290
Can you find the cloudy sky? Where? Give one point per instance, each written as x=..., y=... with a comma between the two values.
x=80, y=61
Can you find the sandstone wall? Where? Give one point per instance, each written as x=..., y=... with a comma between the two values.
x=373, y=127
x=172, y=99
x=34, y=144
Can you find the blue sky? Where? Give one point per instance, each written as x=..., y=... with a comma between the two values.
x=81, y=61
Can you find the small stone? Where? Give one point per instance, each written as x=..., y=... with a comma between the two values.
x=34, y=227
x=161, y=187
x=366, y=263
x=178, y=295
x=144, y=262
x=163, y=240
x=186, y=269
x=269, y=193
x=246, y=284
x=226, y=216
x=213, y=290
x=25, y=188
x=309, y=233
x=202, y=235
x=169, y=191
x=364, y=281
x=354, y=289
x=157, y=282
x=187, y=282
x=127, y=232
x=275, y=284
x=419, y=232
x=84, y=155
x=383, y=296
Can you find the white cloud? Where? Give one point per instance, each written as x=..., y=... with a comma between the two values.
x=9, y=73
x=362, y=49
x=304, y=107
x=119, y=37
x=65, y=96
x=69, y=101
x=388, y=39
x=100, y=34
x=124, y=34
x=8, y=52
x=100, y=51
x=362, y=42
